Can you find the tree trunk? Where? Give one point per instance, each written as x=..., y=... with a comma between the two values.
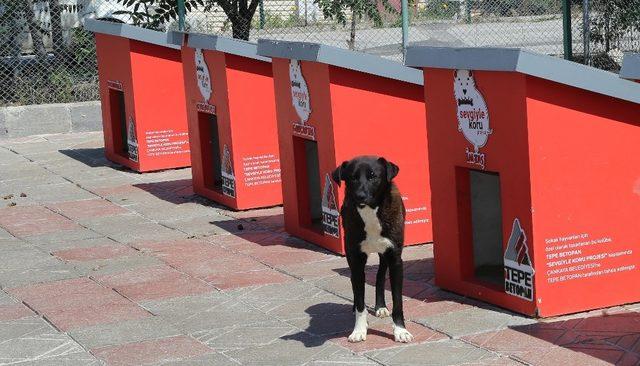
x=34, y=29
x=57, y=39
x=352, y=35
x=241, y=26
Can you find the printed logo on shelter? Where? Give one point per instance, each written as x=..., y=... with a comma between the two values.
x=301, y=101
x=330, y=212
x=472, y=115
x=203, y=76
x=115, y=85
x=518, y=272
x=132, y=140
x=228, y=179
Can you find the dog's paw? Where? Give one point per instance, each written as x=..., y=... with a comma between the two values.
x=402, y=335
x=358, y=336
x=382, y=313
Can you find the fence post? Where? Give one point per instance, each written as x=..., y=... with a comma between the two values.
x=585, y=32
x=467, y=11
x=262, y=15
x=181, y=15
x=405, y=26
x=566, y=29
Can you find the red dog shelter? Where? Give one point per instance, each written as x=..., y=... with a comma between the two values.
x=535, y=179
x=232, y=122
x=333, y=105
x=142, y=92
x=631, y=66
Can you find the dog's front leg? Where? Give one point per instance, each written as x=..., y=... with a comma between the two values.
x=356, y=264
x=381, y=306
x=400, y=333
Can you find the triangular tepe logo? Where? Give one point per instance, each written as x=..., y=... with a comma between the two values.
x=330, y=212
x=132, y=140
x=228, y=179
x=518, y=276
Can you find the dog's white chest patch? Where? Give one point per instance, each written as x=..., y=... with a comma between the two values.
x=374, y=242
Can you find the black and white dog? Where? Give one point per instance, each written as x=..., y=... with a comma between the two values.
x=373, y=221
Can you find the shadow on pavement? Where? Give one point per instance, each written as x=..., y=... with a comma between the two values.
x=175, y=191
x=613, y=338
x=327, y=320
x=92, y=157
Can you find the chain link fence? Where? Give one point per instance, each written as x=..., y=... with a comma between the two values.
x=46, y=56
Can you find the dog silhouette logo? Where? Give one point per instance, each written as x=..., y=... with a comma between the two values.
x=228, y=179
x=330, y=212
x=132, y=140
x=203, y=76
x=472, y=113
x=518, y=268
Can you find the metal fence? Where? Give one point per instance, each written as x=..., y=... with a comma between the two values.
x=46, y=56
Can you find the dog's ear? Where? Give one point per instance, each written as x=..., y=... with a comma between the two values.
x=337, y=174
x=392, y=169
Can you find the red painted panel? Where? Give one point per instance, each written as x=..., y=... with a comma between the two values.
x=150, y=77
x=241, y=97
x=586, y=197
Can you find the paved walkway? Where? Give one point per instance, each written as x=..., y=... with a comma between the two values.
x=102, y=265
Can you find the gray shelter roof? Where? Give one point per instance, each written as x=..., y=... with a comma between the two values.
x=233, y=46
x=631, y=66
x=541, y=66
x=351, y=60
x=130, y=32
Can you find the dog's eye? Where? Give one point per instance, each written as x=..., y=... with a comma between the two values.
x=370, y=175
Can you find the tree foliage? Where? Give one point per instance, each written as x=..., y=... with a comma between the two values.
x=339, y=10
x=613, y=20
x=157, y=13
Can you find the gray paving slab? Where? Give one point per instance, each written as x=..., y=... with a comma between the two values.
x=48, y=273
x=103, y=267
x=205, y=312
x=205, y=225
x=11, y=243
x=8, y=157
x=285, y=352
x=270, y=298
x=31, y=340
x=474, y=320
x=5, y=299
x=24, y=171
x=56, y=245
x=211, y=359
x=168, y=212
x=186, y=305
x=244, y=336
x=341, y=356
x=53, y=193
x=217, y=317
x=124, y=332
x=447, y=352
x=4, y=234
x=127, y=228
x=16, y=185
x=68, y=239
x=26, y=257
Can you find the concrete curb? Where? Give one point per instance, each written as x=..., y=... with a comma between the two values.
x=41, y=119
